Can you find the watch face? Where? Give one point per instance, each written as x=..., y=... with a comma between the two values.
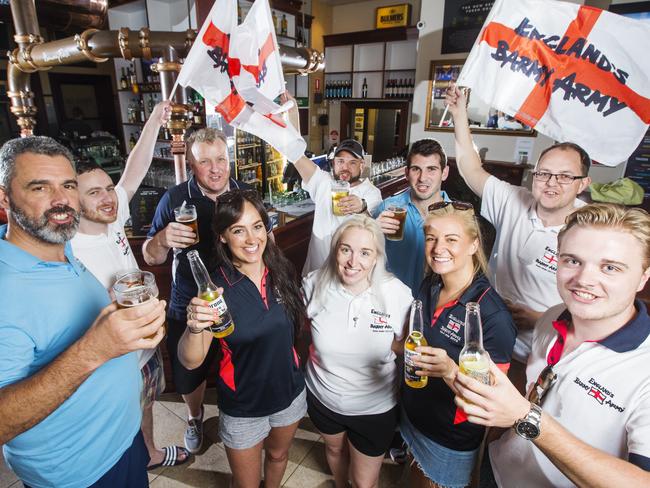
x=527, y=430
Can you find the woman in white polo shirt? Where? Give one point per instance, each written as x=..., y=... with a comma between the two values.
x=358, y=311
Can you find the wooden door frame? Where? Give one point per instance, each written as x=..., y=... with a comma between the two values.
x=348, y=106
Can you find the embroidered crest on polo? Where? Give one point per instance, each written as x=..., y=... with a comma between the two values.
x=548, y=260
x=601, y=394
x=452, y=330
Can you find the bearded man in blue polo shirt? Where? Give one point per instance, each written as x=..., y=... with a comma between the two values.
x=426, y=169
x=69, y=378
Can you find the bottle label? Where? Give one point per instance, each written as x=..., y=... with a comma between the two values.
x=219, y=304
x=409, y=365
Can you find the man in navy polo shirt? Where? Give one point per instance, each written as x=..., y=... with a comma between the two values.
x=426, y=169
x=586, y=420
x=208, y=158
x=69, y=377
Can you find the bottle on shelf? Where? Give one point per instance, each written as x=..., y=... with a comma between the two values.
x=151, y=104
x=473, y=360
x=134, y=81
x=143, y=116
x=132, y=141
x=415, y=339
x=284, y=25
x=207, y=290
x=275, y=22
x=364, y=89
x=387, y=89
x=123, y=83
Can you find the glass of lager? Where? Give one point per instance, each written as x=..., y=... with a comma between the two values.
x=134, y=288
x=186, y=215
x=399, y=213
x=340, y=189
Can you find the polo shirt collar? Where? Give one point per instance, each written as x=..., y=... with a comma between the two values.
x=480, y=284
x=406, y=196
x=195, y=191
x=231, y=274
x=625, y=339
x=21, y=260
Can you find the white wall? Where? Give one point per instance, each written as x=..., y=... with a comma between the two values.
x=499, y=147
x=360, y=16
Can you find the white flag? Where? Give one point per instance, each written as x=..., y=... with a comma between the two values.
x=238, y=70
x=572, y=72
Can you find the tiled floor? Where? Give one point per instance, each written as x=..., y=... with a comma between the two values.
x=307, y=466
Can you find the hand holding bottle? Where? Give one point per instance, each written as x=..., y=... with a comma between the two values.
x=435, y=362
x=200, y=315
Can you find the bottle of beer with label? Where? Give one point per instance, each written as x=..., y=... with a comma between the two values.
x=364, y=89
x=208, y=292
x=474, y=361
x=415, y=339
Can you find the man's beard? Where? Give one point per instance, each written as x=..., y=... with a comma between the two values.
x=40, y=227
x=353, y=179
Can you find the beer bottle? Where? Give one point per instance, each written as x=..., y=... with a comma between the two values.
x=364, y=89
x=123, y=83
x=474, y=361
x=208, y=292
x=415, y=339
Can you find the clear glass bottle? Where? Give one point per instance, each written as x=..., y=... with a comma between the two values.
x=474, y=361
x=208, y=291
x=415, y=339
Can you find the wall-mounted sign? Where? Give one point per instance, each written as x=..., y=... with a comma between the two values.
x=462, y=22
x=393, y=16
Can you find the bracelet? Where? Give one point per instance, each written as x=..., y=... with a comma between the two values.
x=195, y=331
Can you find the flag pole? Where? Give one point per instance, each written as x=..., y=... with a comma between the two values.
x=171, y=93
x=444, y=114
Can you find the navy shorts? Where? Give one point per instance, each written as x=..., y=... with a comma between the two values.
x=130, y=471
x=187, y=380
x=369, y=434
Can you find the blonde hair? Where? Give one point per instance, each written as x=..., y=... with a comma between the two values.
x=206, y=134
x=471, y=227
x=328, y=274
x=635, y=221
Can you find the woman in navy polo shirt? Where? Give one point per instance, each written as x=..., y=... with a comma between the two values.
x=443, y=443
x=260, y=388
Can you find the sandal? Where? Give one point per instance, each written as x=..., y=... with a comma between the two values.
x=172, y=457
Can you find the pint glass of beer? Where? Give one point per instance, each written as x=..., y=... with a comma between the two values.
x=186, y=215
x=133, y=288
x=340, y=189
x=399, y=213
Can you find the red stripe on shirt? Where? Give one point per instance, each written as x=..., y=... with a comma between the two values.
x=226, y=368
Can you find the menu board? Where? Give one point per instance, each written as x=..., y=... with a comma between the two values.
x=463, y=20
x=638, y=165
x=143, y=206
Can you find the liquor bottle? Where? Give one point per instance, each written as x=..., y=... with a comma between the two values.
x=349, y=94
x=391, y=88
x=151, y=104
x=132, y=141
x=387, y=89
x=143, y=117
x=208, y=291
x=123, y=83
x=364, y=89
x=275, y=22
x=415, y=339
x=284, y=25
x=134, y=81
x=474, y=361
x=400, y=89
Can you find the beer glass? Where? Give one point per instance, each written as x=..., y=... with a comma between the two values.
x=340, y=189
x=133, y=288
x=186, y=215
x=399, y=213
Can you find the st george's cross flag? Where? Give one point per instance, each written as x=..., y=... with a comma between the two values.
x=237, y=69
x=574, y=73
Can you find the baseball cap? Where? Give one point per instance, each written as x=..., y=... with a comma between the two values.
x=351, y=146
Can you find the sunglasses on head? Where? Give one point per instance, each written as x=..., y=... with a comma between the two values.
x=544, y=382
x=456, y=204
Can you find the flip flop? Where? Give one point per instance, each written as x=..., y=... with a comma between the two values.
x=171, y=457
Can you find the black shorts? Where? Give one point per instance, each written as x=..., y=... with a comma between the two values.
x=369, y=434
x=187, y=380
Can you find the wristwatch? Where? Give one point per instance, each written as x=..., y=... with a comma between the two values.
x=529, y=426
x=364, y=205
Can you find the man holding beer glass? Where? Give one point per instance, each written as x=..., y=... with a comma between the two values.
x=69, y=387
x=175, y=227
x=401, y=216
x=102, y=246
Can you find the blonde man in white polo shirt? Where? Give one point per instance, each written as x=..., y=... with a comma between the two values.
x=586, y=420
x=523, y=261
x=358, y=312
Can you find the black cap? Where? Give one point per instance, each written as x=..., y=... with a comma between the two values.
x=351, y=146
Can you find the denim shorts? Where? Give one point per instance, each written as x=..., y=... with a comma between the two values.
x=443, y=466
x=245, y=432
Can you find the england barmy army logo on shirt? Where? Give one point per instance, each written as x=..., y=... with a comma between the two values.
x=548, y=260
x=452, y=329
x=122, y=243
x=380, y=321
x=601, y=394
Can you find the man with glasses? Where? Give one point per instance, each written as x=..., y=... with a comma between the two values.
x=524, y=259
x=207, y=153
x=426, y=169
x=363, y=197
x=586, y=420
